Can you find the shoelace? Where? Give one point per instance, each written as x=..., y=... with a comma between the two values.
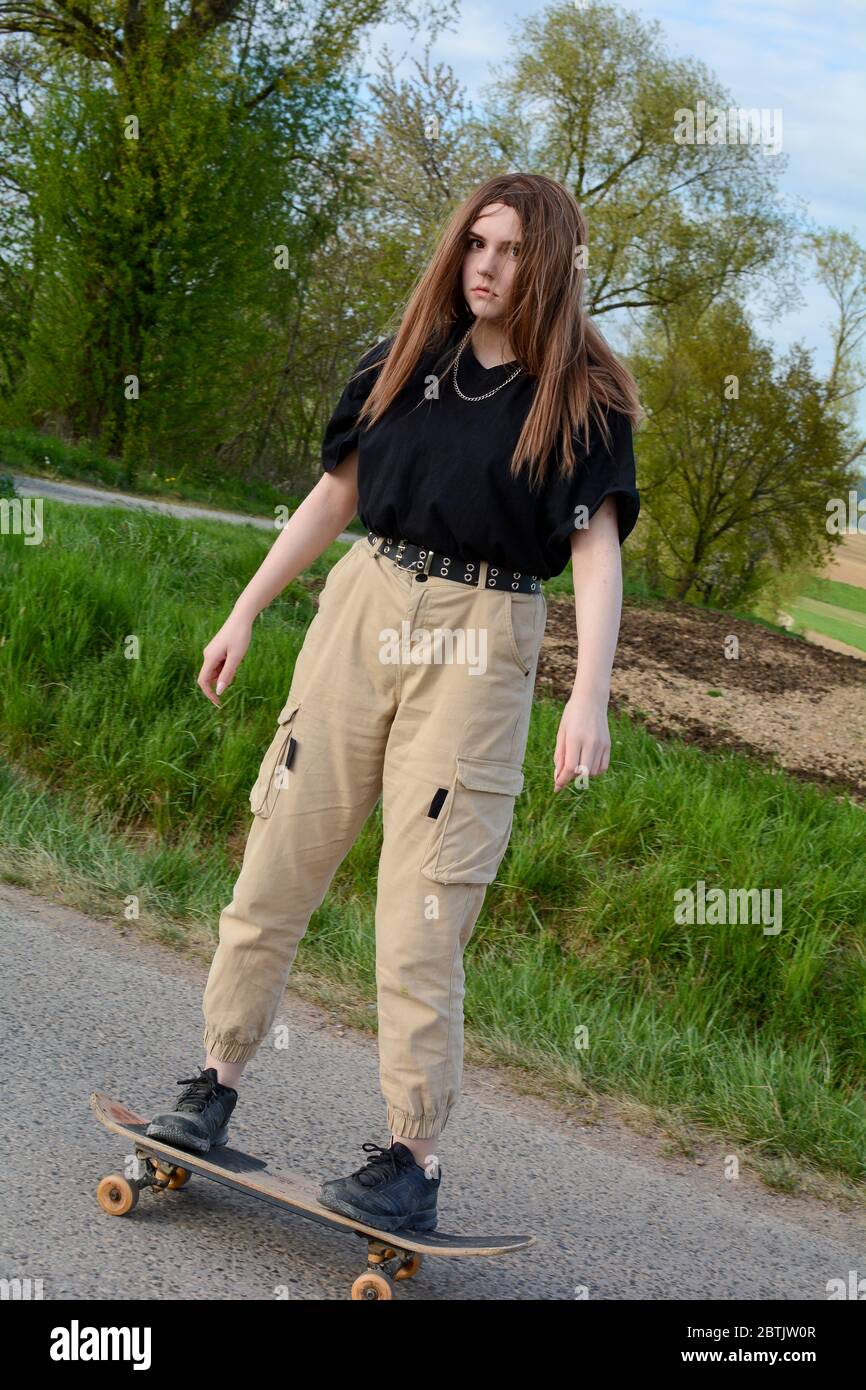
x=198, y=1093
x=382, y=1165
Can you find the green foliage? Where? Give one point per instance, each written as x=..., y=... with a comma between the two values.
x=173, y=154
x=738, y=458
x=590, y=98
x=103, y=696
x=161, y=321
x=835, y=592
x=43, y=456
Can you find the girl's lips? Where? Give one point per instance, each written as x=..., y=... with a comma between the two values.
x=478, y=290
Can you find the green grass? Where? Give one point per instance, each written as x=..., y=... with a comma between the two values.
x=835, y=592
x=126, y=783
x=28, y=451
x=814, y=616
x=830, y=607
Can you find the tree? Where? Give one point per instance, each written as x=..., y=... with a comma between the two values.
x=739, y=456
x=588, y=97
x=841, y=265
x=171, y=150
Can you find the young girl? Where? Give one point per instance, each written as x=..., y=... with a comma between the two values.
x=484, y=444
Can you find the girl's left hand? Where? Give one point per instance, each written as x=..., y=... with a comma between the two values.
x=583, y=741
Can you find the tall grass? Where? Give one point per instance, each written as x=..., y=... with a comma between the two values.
x=126, y=781
x=29, y=451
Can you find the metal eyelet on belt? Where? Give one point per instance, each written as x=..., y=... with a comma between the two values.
x=436, y=565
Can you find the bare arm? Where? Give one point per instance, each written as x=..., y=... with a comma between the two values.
x=583, y=740
x=323, y=514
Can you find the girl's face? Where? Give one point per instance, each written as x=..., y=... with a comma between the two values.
x=492, y=249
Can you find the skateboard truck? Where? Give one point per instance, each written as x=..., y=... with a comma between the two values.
x=118, y=1194
x=385, y=1263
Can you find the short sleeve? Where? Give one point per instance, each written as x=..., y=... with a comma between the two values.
x=605, y=469
x=342, y=432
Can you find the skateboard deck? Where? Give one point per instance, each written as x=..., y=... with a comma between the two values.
x=162, y=1167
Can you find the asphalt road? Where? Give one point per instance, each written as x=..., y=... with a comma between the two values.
x=86, y=495
x=85, y=1008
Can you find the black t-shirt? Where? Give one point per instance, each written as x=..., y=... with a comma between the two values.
x=437, y=471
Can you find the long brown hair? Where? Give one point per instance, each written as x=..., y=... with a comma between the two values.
x=553, y=338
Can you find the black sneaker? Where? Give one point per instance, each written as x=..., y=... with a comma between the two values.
x=199, y=1121
x=390, y=1191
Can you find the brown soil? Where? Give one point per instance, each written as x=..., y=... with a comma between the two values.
x=794, y=705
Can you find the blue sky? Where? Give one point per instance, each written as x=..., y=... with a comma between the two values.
x=799, y=55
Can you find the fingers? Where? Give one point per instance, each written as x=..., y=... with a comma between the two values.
x=579, y=758
x=227, y=674
x=559, y=758
x=213, y=669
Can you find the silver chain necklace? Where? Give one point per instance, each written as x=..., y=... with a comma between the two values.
x=486, y=393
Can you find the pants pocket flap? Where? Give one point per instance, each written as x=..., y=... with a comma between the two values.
x=275, y=766
x=483, y=775
x=289, y=710
x=471, y=834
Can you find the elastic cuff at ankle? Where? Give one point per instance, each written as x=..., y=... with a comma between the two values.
x=229, y=1049
x=427, y=1126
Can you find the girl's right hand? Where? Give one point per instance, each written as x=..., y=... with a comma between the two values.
x=223, y=655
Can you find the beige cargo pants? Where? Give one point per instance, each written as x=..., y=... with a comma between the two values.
x=419, y=691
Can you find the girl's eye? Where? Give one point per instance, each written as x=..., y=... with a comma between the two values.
x=476, y=241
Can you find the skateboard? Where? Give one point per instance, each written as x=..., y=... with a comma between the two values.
x=161, y=1167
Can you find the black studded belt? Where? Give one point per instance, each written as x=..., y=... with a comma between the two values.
x=426, y=562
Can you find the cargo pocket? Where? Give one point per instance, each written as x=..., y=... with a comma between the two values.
x=473, y=824
x=277, y=764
